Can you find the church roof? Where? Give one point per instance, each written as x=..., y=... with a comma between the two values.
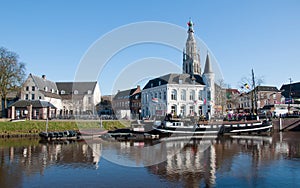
x=174, y=79
x=208, y=67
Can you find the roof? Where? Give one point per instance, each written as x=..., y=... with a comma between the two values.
x=81, y=87
x=208, y=68
x=294, y=87
x=267, y=88
x=174, y=79
x=126, y=94
x=41, y=83
x=50, y=94
x=34, y=103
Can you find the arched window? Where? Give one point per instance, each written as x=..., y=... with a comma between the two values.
x=192, y=95
x=183, y=95
x=174, y=94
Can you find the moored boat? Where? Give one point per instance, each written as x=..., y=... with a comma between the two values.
x=223, y=127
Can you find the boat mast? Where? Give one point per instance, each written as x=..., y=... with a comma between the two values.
x=254, y=107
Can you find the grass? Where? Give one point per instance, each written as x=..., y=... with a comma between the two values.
x=34, y=127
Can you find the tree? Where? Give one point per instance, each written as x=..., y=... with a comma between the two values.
x=12, y=74
x=249, y=84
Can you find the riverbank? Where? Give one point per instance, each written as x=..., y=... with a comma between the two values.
x=32, y=128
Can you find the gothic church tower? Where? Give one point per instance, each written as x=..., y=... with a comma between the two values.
x=191, y=55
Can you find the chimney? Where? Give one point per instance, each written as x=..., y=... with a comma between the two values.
x=138, y=87
x=44, y=77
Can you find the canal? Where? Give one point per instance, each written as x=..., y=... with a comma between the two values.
x=229, y=161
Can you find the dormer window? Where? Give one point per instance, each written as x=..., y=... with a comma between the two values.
x=151, y=84
x=89, y=92
x=159, y=83
x=75, y=92
x=62, y=92
x=52, y=90
x=46, y=88
x=180, y=81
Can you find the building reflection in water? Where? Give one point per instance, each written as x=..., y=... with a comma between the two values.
x=191, y=162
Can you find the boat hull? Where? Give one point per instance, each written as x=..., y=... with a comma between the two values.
x=225, y=128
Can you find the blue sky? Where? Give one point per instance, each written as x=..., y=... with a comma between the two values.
x=51, y=37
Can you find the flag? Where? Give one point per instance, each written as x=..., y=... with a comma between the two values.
x=155, y=100
x=246, y=86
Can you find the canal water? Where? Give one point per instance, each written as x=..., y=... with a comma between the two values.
x=229, y=161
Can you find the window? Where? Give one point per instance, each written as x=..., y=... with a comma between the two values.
x=183, y=95
x=27, y=88
x=274, y=96
x=180, y=81
x=62, y=92
x=192, y=95
x=155, y=95
x=46, y=88
x=173, y=109
x=26, y=97
x=32, y=96
x=33, y=88
x=159, y=83
x=40, y=97
x=75, y=92
x=191, y=110
x=165, y=95
x=182, y=110
x=208, y=96
x=174, y=95
x=200, y=95
x=89, y=92
x=159, y=95
x=200, y=110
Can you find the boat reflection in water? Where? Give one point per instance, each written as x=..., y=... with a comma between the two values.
x=189, y=162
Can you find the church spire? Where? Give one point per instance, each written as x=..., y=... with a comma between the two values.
x=208, y=68
x=191, y=56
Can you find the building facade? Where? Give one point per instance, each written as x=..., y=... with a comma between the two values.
x=127, y=104
x=189, y=94
x=68, y=98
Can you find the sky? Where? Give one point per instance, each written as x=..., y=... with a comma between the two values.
x=53, y=37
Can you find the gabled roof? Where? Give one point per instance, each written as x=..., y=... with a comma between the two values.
x=42, y=83
x=81, y=87
x=174, y=79
x=126, y=94
x=34, y=103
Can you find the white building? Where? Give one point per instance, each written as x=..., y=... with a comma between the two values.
x=69, y=98
x=188, y=94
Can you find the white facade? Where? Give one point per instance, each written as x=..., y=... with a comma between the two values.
x=184, y=100
x=189, y=94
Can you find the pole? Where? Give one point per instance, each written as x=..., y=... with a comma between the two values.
x=290, y=96
x=255, y=94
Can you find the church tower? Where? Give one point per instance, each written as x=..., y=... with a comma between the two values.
x=191, y=55
x=209, y=79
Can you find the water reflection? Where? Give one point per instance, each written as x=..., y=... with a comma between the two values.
x=187, y=162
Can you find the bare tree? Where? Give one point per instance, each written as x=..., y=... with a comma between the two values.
x=12, y=74
x=249, y=84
